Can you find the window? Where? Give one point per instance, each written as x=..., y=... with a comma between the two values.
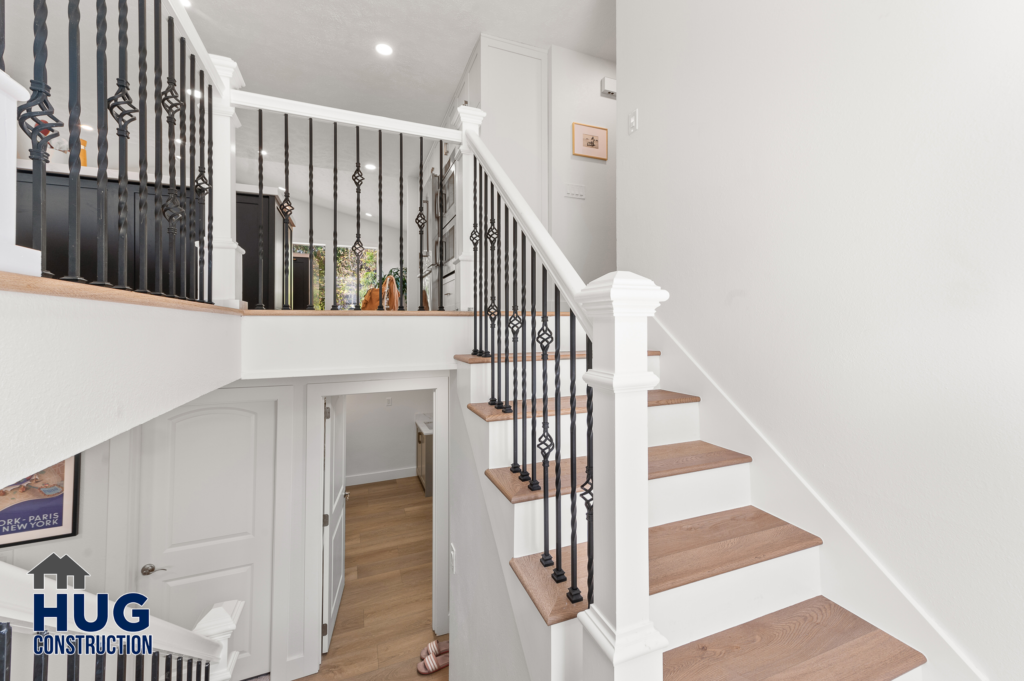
x=345, y=276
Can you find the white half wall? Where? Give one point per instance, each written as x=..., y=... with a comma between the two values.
x=381, y=439
x=130, y=363
x=831, y=194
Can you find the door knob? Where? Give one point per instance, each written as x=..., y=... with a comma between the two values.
x=346, y=496
x=149, y=569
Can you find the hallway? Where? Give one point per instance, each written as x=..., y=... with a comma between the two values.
x=384, y=619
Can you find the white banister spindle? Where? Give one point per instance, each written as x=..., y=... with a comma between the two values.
x=17, y=259
x=619, y=642
x=218, y=625
x=227, y=254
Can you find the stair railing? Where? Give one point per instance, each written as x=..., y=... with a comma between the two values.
x=203, y=650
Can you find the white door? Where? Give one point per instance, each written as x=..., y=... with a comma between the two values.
x=206, y=517
x=334, y=513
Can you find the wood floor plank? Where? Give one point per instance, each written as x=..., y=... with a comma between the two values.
x=816, y=640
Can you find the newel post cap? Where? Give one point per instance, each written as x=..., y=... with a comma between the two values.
x=622, y=294
x=471, y=118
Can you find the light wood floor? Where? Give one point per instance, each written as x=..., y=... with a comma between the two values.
x=384, y=619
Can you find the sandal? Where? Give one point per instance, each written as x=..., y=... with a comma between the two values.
x=432, y=664
x=434, y=648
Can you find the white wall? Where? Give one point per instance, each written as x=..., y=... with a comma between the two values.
x=381, y=439
x=583, y=228
x=831, y=193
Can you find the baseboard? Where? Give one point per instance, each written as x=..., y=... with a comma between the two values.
x=380, y=476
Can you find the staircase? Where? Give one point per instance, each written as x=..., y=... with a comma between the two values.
x=736, y=591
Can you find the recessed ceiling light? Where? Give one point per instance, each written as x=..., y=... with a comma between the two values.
x=178, y=157
x=86, y=127
x=195, y=93
x=370, y=166
x=369, y=215
x=186, y=3
x=264, y=152
x=282, y=189
x=177, y=141
x=384, y=49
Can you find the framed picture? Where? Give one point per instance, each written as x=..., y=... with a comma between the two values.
x=43, y=506
x=590, y=141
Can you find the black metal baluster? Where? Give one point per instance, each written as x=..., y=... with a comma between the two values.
x=180, y=666
x=182, y=180
x=508, y=319
x=140, y=667
x=100, y=668
x=421, y=222
x=311, y=306
x=515, y=324
x=558, y=574
x=534, y=483
x=587, y=488
x=154, y=672
x=485, y=307
x=74, y=668
x=37, y=120
x=121, y=668
x=172, y=207
x=499, y=404
x=167, y=668
x=440, y=226
x=158, y=180
x=190, y=263
x=401, y=223
x=492, y=308
x=209, y=197
x=335, y=305
x=259, y=215
x=545, y=444
x=40, y=667
x=286, y=210
x=188, y=664
x=6, y=633
x=573, y=593
x=101, y=142
x=207, y=677
x=202, y=185
x=142, y=276
x=357, y=248
x=524, y=475
x=380, y=219
x=123, y=111
x=74, y=143
x=474, y=238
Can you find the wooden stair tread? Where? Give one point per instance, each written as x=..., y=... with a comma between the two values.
x=517, y=491
x=655, y=398
x=809, y=641
x=476, y=359
x=690, y=550
x=548, y=595
x=689, y=457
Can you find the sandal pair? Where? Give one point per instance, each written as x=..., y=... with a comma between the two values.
x=433, y=658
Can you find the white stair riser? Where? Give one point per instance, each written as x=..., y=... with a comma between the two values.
x=679, y=497
x=528, y=534
x=480, y=379
x=500, y=438
x=693, y=611
x=654, y=366
x=673, y=423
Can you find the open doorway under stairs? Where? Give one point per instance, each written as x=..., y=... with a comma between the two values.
x=384, y=619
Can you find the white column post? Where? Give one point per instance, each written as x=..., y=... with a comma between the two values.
x=620, y=643
x=471, y=120
x=227, y=254
x=17, y=259
x=218, y=625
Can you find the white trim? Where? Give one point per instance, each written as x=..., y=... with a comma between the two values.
x=315, y=396
x=252, y=100
x=380, y=476
x=188, y=30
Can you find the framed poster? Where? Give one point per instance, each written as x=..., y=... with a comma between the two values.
x=42, y=506
x=590, y=141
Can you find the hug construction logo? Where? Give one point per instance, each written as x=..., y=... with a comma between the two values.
x=129, y=621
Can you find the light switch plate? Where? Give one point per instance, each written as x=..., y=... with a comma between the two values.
x=634, y=121
x=576, y=191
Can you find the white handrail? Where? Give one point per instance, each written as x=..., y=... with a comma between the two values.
x=252, y=100
x=566, y=278
x=16, y=595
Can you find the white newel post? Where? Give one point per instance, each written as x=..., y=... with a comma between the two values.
x=227, y=254
x=471, y=119
x=218, y=625
x=17, y=259
x=620, y=643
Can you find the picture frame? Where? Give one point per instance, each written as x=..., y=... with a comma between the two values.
x=43, y=506
x=590, y=141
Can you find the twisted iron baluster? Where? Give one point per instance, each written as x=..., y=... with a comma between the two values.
x=172, y=210
x=202, y=185
x=154, y=672
x=142, y=279
x=40, y=667
x=259, y=214
x=286, y=210
x=474, y=238
x=421, y=222
x=534, y=483
x=558, y=574
x=546, y=445
x=515, y=324
x=335, y=306
x=440, y=226
x=74, y=144
x=158, y=181
x=508, y=319
x=492, y=309
x=140, y=660
x=573, y=593
x=357, y=248
x=6, y=632
x=123, y=111
x=182, y=182
x=209, y=199
x=101, y=144
x=587, y=488
x=401, y=222
x=524, y=475
x=311, y=304
x=37, y=120
x=484, y=345
x=380, y=219
x=74, y=668
x=190, y=291
x=499, y=404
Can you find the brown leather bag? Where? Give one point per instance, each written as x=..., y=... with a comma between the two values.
x=372, y=298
